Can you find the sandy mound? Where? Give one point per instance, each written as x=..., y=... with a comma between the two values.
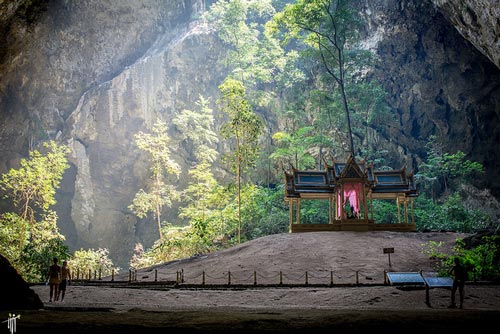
x=318, y=253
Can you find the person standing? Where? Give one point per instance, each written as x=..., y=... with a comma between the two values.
x=459, y=277
x=54, y=278
x=65, y=280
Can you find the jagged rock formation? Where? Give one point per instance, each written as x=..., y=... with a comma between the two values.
x=92, y=74
x=16, y=293
x=478, y=21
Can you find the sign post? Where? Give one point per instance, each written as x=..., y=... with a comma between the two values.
x=388, y=251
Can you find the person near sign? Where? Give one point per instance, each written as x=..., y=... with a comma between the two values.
x=459, y=274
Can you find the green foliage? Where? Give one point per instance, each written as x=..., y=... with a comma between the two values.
x=482, y=261
x=314, y=212
x=13, y=231
x=450, y=215
x=160, y=193
x=293, y=149
x=252, y=56
x=30, y=237
x=33, y=186
x=156, y=144
x=329, y=28
x=385, y=212
x=197, y=128
x=243, y=125
x=93, y=260
x=442, y=169
x=264, y=212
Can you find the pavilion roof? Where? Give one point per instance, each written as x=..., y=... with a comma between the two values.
x=380, y=182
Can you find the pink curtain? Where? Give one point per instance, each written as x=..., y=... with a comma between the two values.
x=352, y=192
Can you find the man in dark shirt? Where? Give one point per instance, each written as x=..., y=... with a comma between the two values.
x=459, y=277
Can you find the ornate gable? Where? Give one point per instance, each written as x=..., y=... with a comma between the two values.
x=352, y=170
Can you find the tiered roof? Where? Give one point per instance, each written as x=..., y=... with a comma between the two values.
x=382, y=183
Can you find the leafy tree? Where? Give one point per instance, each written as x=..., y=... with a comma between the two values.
x=32, y=187
x=160, y=193
x=235, y=24
x=95, y=260
x=30, y=237
x=442, y=168
x=481, y=260
x=328, y=27
x=244, y=127
x=293, y=148
x=197, y=129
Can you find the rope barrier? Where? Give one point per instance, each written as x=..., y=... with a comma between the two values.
x=321, y=276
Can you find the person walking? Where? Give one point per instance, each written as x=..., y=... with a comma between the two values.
x=65, y=280
x=459, y=277
x=53, y=279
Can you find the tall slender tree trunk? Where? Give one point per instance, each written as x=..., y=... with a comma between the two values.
x=347, y=117
x=239, y=199
x=158, y=206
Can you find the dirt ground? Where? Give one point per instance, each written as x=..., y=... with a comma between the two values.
x=359, y=300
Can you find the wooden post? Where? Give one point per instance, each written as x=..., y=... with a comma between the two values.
x=130, y=275
x=298, y=211
x=412, y=212
x=357, y=277
x=306, y=279
x=100, y=272
x=385, y=277
x=90, y=274
x=254, y=278
x=427, y=296
x=203, y=278
x=406, y=211
x=77, y=273
x=228, y=278
x=330, y=209
x=177, y=277
x=388, y=251
x=331, y=278
x=95, y=274
x=112, y=275
x=156, y=275
x=281, y=278
x=399, y=210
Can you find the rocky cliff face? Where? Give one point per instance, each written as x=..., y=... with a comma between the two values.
x=438, y=84
x=478, y=21
x=91, y=74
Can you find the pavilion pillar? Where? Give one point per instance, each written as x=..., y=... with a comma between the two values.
x=412, y=212
x=406, y=210
x=330, y=209
x=342, y=210
x=298, y=211
x=290, y=202
x=399, y=209
x=371, y=205
x=365, y=208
